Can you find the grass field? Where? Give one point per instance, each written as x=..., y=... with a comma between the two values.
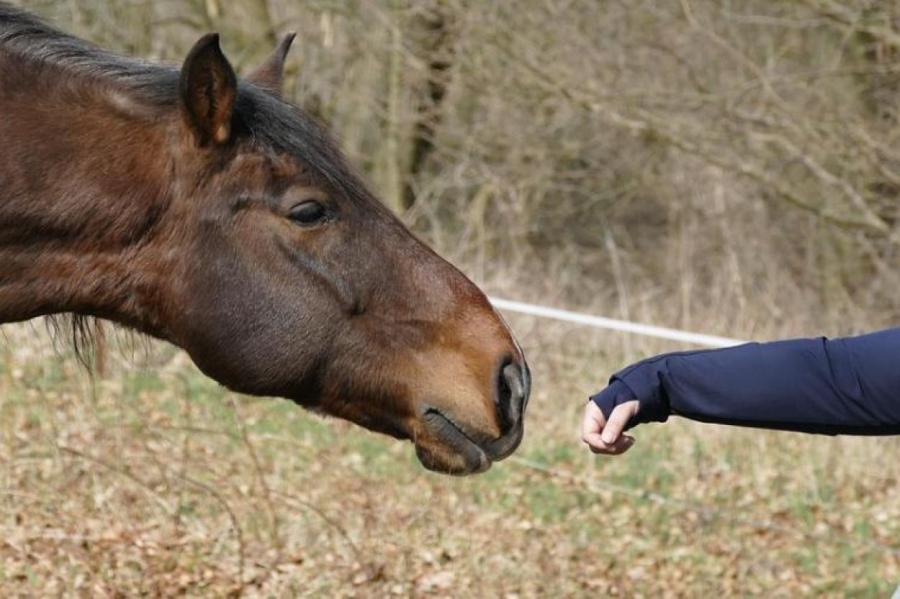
x=152, y=479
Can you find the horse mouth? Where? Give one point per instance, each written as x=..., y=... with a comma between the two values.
x=467, y=456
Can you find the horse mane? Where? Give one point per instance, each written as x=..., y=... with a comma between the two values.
x=268, y=120
x=29, y=38
x=84, y=335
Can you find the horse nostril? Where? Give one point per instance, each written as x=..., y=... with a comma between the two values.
x=511, y=395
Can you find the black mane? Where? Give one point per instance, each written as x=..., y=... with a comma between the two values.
x=267, y=120
x=30, y=39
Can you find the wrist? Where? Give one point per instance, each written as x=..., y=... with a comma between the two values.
x=613, y=395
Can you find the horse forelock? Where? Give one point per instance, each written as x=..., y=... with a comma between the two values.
x=280, y=127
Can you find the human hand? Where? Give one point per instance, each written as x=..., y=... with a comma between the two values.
x=605, y=436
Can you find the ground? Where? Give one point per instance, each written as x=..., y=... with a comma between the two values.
x=150, y=479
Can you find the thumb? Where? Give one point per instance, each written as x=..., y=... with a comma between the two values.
x=618, y=420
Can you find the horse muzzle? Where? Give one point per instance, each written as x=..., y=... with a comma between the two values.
x=452, y=447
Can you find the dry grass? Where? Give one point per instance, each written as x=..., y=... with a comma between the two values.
x=154, y=480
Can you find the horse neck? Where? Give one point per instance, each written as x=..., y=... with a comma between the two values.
x=82, y=202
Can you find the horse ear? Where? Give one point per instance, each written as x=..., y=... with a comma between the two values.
x=270, y=74
x=208, y=89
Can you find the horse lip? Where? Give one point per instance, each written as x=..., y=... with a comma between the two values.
x=453, y=435
x=504, y=447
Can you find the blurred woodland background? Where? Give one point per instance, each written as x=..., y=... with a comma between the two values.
x=730, y=167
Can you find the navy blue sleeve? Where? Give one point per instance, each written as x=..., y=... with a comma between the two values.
x=830, y=386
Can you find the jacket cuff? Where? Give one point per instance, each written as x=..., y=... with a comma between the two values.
x=616, y=393
x=645, y=382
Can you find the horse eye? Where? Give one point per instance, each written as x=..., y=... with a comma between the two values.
x=308, y=213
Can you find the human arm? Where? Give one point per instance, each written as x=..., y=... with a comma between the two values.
x=831, y=386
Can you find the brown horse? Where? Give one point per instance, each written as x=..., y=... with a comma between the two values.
x=204, y=210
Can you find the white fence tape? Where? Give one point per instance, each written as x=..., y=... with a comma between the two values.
x=612, y=324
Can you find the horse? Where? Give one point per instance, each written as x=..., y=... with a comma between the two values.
x=203, y=209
